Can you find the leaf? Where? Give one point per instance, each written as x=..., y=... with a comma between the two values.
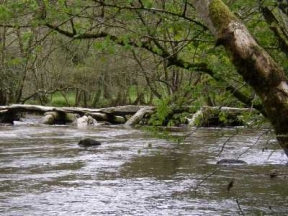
x=148, y=3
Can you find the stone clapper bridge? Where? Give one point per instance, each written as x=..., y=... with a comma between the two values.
x=128, y=115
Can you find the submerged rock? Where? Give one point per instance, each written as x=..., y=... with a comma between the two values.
x=87, y=142
x=231, y=162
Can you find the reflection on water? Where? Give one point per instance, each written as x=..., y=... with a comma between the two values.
x=44, y=172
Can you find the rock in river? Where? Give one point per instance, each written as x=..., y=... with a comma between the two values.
x=88, y=142
x=231, y=162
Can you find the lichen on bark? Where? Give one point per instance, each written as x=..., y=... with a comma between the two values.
x=220, y=14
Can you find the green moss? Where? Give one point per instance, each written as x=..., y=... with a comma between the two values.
x=220, y=14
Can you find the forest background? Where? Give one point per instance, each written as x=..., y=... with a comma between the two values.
x=107, y=53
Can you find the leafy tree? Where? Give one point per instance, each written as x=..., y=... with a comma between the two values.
x=172, y=44
x=173, y=48
x=252, y=62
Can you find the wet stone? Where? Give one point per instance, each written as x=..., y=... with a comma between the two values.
x=88, y=142
x=231, y=162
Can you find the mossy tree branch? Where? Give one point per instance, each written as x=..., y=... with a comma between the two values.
x=255, y=65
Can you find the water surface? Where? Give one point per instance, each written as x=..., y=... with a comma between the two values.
x=44, y=172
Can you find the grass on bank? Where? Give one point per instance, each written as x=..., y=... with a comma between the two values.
x=67, y=99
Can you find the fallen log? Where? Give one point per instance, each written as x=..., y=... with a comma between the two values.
x=138, y=116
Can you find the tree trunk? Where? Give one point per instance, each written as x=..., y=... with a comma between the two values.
x=252, y=62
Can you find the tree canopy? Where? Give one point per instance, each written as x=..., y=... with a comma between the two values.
x=100, y=50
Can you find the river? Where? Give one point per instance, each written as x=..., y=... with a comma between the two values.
x=44, y=172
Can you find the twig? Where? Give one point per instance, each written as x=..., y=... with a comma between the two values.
x=224, y=144
x=258, y=139
x=204, y=179
x=239, y=207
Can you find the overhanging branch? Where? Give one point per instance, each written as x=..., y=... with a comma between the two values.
x=172, y=60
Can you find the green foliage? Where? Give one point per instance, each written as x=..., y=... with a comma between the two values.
x=162, y=111
x=220, y=13
x=113, y=66
x=5, y=13
x=106, y=45
x=59, y=100
x=254, y=120
x=147, y=3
